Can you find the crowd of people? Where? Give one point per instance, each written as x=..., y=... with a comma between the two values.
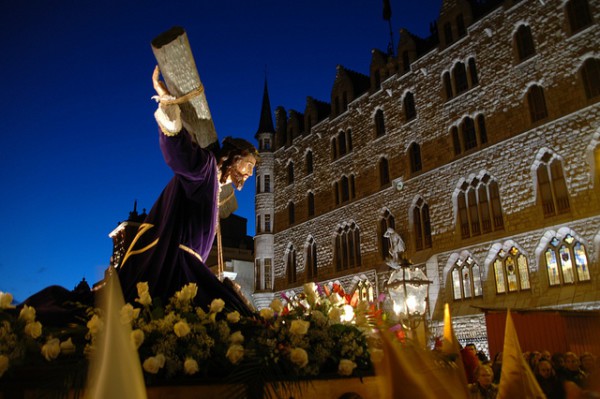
x=560, y=375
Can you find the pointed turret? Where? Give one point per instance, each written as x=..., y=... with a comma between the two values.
x=265, y=125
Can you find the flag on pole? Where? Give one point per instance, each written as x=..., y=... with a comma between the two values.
x=115, y=370
x=387, y=10
x=517, y=379
x=409, y=371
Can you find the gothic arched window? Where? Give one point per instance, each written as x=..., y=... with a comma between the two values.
x=566, y=261
x=511, y=271
x=466, y=279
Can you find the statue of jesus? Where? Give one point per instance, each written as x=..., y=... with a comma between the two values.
x=174, y=241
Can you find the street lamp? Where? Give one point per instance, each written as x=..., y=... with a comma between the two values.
x=408, y=287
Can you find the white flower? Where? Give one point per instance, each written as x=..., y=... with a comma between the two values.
x=34, y=330
x=335, y=315
x=190, y=366
x=336, y=299
x=299, y=327
x=310, y=290
x=217, y=305
x=235, y=353
x=233, y=317
x=95, y=324
x=181, y=328
x=145, y=299
x=6, y=300
x=266, y=313
x=277, y=305
x=143, y=293
x=3, y=364
x=299, y=357
x=137, y=338
x=236, y=338
x=347, y=313
x=187, y=293
x=200, y=312
x=142, y=288
x=67, y=347
x=151, y=365
x=27, y=314
x=51, y=349
x=129, y=313
x=346, y=367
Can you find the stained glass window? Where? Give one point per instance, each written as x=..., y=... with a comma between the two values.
x=466, y=279
x=566, y=261
x=512, y=271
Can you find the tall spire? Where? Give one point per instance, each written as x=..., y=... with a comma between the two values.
x=265, y=125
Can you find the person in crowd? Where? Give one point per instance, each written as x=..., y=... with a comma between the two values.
x=470, y=362
x=549, y=382
x=483, y=387
x=558, y=362
x=546, y=355
x=588, y=363
x=497, y=367
x=571, y=371
x=534, y=358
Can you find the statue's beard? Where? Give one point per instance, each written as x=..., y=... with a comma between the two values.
x=237, y=179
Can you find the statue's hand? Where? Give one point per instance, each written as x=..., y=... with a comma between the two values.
x=159, y=86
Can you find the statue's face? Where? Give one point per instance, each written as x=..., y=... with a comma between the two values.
x=241, y=170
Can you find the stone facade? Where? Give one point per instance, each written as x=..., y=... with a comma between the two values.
x=508, y=146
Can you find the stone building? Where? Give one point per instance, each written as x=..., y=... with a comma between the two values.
x=479, y=145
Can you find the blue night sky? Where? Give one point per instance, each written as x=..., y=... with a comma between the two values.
x=79, y=141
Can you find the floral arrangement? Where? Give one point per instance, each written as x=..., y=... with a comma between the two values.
x=321, y=331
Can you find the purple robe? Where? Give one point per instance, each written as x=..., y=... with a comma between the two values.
x=178, y=233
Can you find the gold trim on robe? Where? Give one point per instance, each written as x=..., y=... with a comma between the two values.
x=144, y=227
x=191, y=252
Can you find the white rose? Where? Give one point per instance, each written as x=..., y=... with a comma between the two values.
x=233, y=317
x=95, y=324
x=137, y=338
x=236, y=338
x=310, y=290
x=190, y=366
x=200, y=312
x=27, y=314
x=151, y=365
x=335, y=315
x=142, y=288
x=266, y=313
x=299, y=357
x=67, y=347
x=299, y=327
x=217, y=305
x=187, y=293
x=161, y=360
x=346, y=367
x=235, y=353
x=3, y=364
x=181, y=328
x=145, y=299
x=34, y=330
x=277, y=305
x=6, y=300
x=51, y=349
x=129, y=313
x=336, y=299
